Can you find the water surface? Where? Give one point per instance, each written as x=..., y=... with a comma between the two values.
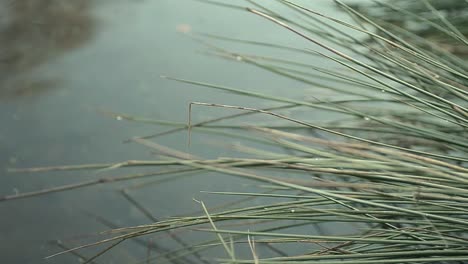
x=64, y=63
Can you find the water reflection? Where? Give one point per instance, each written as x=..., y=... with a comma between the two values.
x=33, y=32
x=119, y=71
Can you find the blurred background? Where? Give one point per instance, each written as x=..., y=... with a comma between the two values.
x=64, y=65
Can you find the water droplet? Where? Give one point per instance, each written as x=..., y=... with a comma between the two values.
x=383, y=91
x=293, y=211
x=238, y=58
x=366, y=118
x=119, y=118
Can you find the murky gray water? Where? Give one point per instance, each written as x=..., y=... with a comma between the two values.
x=63, y=63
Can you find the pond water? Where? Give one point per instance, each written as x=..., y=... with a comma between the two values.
x=65, y=64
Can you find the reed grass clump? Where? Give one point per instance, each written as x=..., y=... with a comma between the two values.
x=384, y=182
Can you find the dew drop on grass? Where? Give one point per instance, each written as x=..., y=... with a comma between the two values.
x=366, y=118
x=238, y=58
x=293, y=211
x=119, y=118
x=383, y=91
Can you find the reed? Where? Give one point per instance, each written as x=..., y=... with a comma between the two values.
x=390, y=169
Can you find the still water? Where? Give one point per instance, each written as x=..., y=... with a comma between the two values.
x=64, y=64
